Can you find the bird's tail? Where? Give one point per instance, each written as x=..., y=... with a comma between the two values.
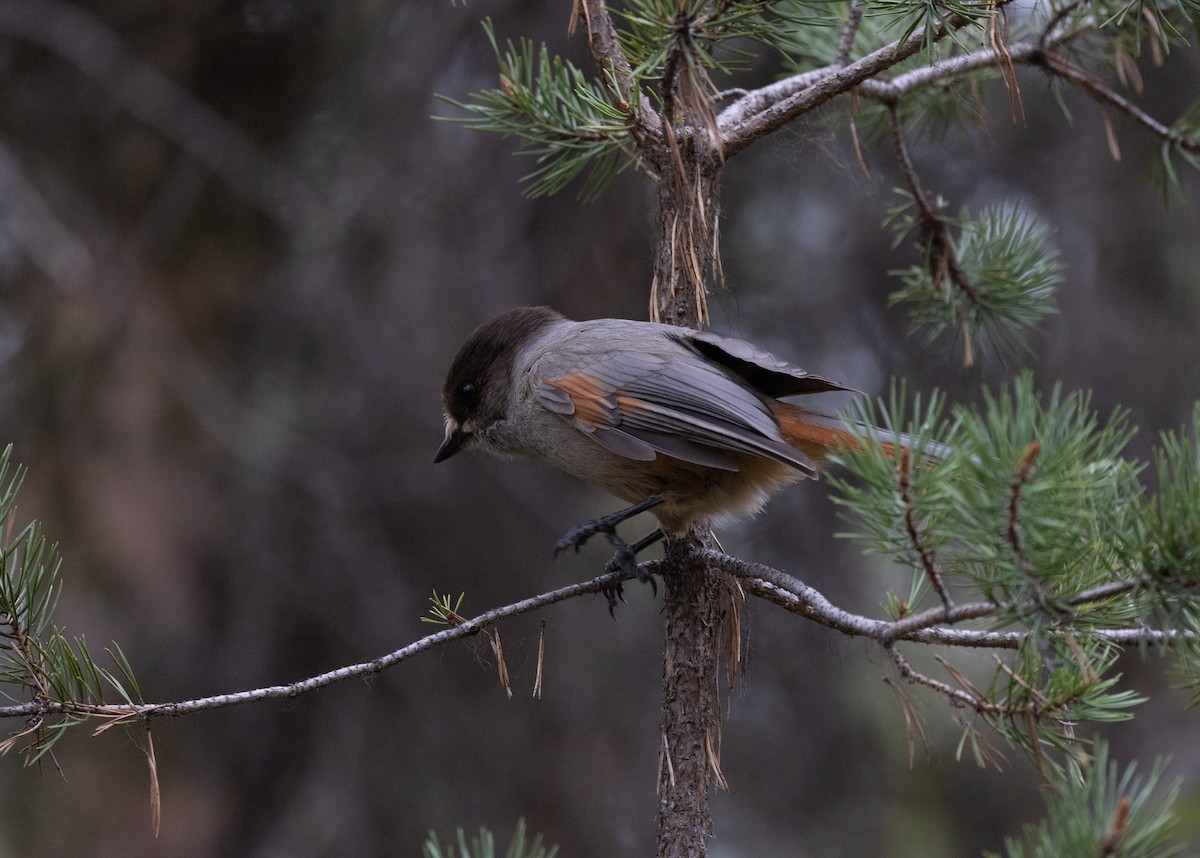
x=818, y=435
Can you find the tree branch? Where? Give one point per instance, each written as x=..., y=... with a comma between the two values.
x=956, y=695
x=739, y=130
x=912, y=528
x=1038, y=52
x=940, y=257
x=928, y=627
x=934, y=626
x=1052, y=36
x=767, y=109
x=43, y=708
x=755, y=101
x=615, y=70
x=891, y=91
x=849, y=31
x=823, y=612
x=1104, y=94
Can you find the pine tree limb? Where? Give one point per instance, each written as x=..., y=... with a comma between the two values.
x=763, y=111
x=1103, y=94
x=616, y=72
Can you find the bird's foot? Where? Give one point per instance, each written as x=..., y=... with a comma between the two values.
x=606, y=524
x=623, y=560
x=575, y=538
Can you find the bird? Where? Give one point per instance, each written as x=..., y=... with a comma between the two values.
x=687, y=425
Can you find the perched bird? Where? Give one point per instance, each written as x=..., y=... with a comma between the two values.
x=685, y=424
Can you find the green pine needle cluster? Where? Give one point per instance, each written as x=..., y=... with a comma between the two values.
x=1038, y=499
x=37, y=661
x=444, y=609
x=875, y=512
x=1163, y=540
x=904, y=17
x=1135, y=24
x=1051, y=686
x=996, y=281
x=484, y=846
x=1183, y=147
x=1016, y=509
x=1165, y=536
x=562, y=119
x=1032, y=507
x=808, y=32
x=1096, y=809
x=705, y=33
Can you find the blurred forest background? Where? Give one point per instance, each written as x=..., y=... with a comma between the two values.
x=236, y=256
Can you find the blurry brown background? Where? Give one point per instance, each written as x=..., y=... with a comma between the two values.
x=236, y=255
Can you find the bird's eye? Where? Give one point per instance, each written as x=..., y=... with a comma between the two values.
x=467, y=391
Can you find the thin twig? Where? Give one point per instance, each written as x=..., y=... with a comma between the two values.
x=766, y=110
x=941, y=259
x=1104, y=94
x=928, y=627
x=616, y=73
x=733, y=92
x=912, y=529
x=1038, y=52
x=1012, y=532
x=891, y=91
x=956, y=695
x=846, y=41
x=924, y=207
x=1051, y=28
x=363, y=669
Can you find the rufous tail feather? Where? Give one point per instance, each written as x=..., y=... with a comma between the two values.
x=818, y=435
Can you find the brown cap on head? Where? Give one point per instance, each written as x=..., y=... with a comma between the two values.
x=475, y=392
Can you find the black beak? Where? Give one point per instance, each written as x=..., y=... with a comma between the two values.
x=452, y=444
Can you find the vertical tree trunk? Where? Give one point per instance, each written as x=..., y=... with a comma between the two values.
x=686, y=255
x=694, y=606
x=696, y=598
x=683, y=153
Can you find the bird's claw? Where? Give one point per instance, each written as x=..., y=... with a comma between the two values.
x=624, y=558
x=612, y=594
x=579, y=534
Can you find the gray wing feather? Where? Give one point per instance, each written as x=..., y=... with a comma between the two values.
x=707, y=429
x=760, y=369
x=556, y=400
x=624, y=444
x=701, y=403
x=676, y=446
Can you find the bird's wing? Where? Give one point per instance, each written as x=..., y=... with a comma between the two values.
x=675, y=401
x=759, y=369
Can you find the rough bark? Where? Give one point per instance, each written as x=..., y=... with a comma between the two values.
x=682, y=151
x=686, y=256
x=696, y=606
